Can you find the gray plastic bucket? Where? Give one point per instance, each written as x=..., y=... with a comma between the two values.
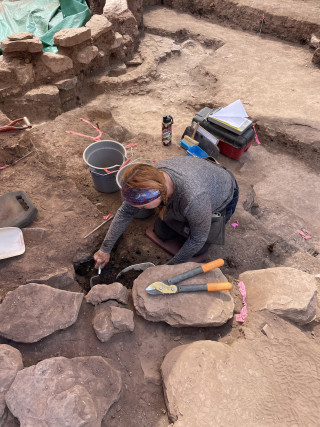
x=105, y=154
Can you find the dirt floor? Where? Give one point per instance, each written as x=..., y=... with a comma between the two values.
x=278, y=180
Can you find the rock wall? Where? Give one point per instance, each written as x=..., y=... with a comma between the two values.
x=31, y=79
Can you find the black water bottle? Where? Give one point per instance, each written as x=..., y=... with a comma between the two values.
x=167, y=122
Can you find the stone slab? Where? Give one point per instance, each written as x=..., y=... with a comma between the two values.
x=115, y=6
x=101, y=293
x=87, y=54
x=34, y=311
x=72, y=36
x=33, y=45
x=256, y=381
x=98, y=25
x=45, y=93
x=20, y=36
x=56, y=63
x=61, y=392
x=10, y=364
x=184, y=309
x=285, y=291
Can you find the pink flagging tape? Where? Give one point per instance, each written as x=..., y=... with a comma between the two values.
x=305, y=234
x=94, y=138
x=227, y=56
x=4, y=167
x=109, y=216
x=235, y=224
x=243, y=313
x=256, y=135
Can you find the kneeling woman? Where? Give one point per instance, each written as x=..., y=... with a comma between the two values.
x=188, y=192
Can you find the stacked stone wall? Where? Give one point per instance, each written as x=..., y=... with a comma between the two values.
x=51, y=82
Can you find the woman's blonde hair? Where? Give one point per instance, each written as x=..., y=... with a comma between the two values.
x=147, y=176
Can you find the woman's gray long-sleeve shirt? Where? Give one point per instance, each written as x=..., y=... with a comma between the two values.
x=200, y=188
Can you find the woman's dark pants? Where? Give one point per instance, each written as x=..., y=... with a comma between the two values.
x=164, y=232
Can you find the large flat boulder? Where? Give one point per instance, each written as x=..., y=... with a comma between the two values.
x=184, y=309
x=259, y=380
x=10, y=364
x=60, y=392
x=34, y=311
x=285, y=291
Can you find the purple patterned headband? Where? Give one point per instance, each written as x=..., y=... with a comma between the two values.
x=138, y=196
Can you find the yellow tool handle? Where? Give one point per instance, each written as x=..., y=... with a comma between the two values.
x=219, y=286
x=211, y=265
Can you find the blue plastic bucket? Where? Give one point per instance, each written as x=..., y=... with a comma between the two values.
x=103, y=155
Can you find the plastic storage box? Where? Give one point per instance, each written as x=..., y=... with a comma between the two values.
x=230, y=144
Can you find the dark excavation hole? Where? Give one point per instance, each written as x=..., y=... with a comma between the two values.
x=86, y=273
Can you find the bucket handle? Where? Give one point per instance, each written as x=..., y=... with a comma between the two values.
x=132, y=144
x=123, y=164
x=126, y=162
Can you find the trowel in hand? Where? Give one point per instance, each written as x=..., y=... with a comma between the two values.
x=138, y=267
x=93, y=279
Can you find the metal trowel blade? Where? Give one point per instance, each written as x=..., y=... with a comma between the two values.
x=138, y=267
x=94, y=280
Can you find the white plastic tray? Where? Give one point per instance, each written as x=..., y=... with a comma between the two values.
x=11, y=242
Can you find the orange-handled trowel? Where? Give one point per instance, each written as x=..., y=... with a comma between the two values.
x=168, y=286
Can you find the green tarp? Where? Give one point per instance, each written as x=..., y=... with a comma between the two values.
x=42, y=18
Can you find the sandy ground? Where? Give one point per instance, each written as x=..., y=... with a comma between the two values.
x=278, y=86
x=301, y=10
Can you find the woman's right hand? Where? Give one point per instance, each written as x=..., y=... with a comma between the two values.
x=101, y=259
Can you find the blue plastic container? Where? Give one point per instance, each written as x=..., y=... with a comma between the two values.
x=196, y=151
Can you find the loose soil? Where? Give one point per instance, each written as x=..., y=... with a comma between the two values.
x=278, y=180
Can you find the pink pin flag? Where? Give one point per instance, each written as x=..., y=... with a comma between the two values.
x=235, y=224
x=256, y=135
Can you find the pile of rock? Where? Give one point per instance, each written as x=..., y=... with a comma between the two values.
x=110, y=317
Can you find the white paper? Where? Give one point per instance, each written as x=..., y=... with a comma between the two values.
x=237, y=122
x=236, y=109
